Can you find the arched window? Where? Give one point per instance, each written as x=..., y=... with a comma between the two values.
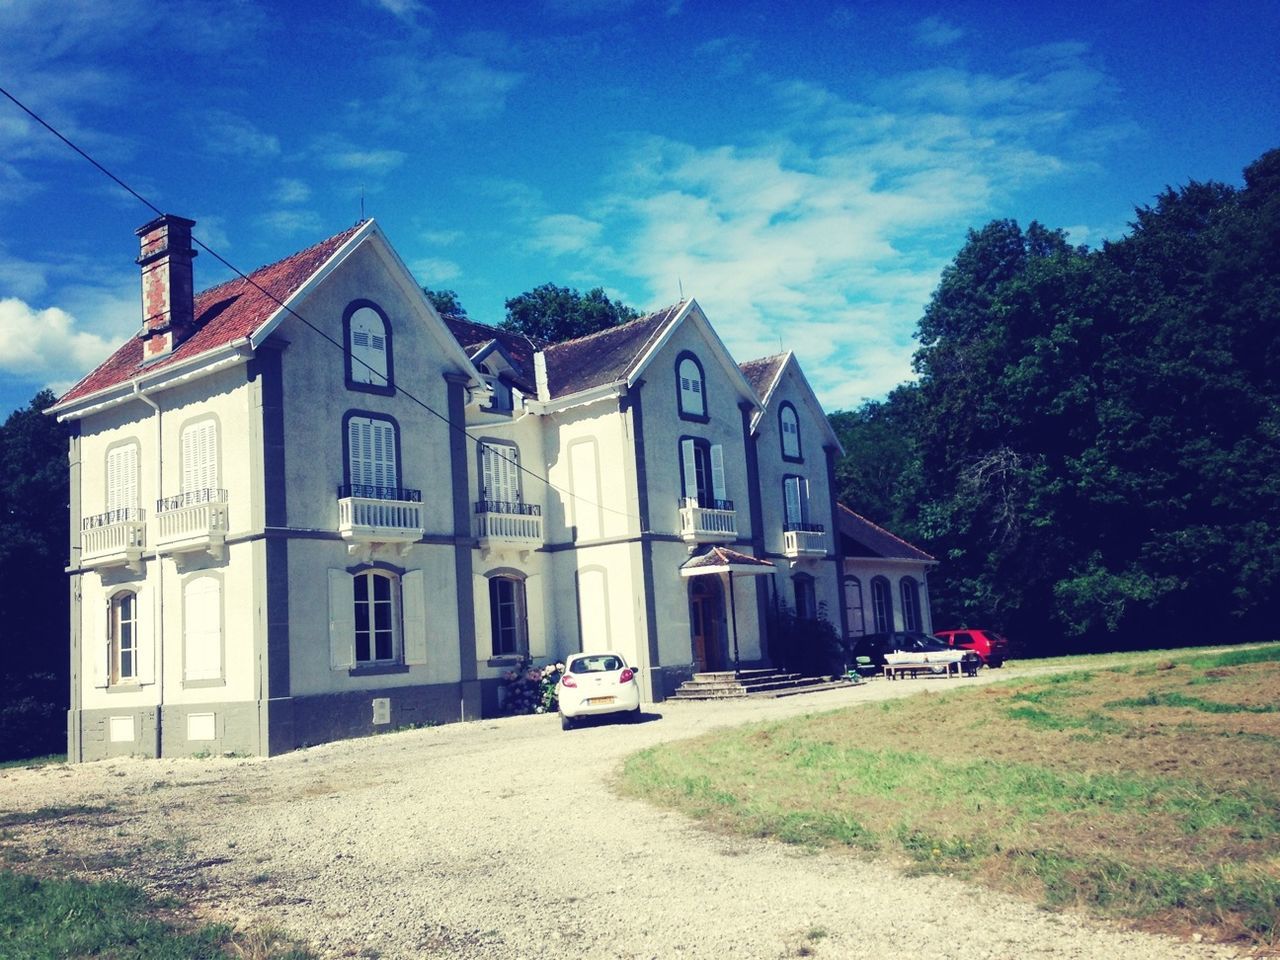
x=507, y=616
x=910, y=603
x=806, y=600
x=789, y=428
x=691, y=388
x=855, y=623
x=123, y=641
x=200, y=456
x=881, y=604
x=377, y=613
x=368, y=348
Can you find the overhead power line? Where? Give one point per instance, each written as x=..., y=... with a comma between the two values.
x=311, y=326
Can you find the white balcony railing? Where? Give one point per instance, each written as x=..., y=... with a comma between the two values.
x=804, y=540
x=195, y=520
x=501, y=524
x=369, y=514
x=717, y=523
x=113, y=538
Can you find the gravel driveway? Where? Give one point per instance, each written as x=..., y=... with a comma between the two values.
x=502, y=839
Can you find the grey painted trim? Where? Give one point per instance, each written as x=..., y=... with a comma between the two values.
x=275, y=661
x=837, y=544
x=74, y=746
x=635, y=409
x=457, y=384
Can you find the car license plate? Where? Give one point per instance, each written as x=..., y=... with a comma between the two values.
x=595, y=700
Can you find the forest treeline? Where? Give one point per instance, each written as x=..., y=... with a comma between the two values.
x=1092, y=446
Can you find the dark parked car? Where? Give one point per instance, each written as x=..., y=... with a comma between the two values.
x=987, y=644
x=876, y=645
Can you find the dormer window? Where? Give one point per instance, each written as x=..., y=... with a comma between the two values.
x=691, y=388
x=789, y=427
x=368, y=348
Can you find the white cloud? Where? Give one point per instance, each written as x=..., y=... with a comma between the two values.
x=290, y=222
x=289, y=190
x=830, y=238
x=46, y=344
x=433, y=271
x=936, y=32
x=439, y=87
x=227, y=133
x=407, y=10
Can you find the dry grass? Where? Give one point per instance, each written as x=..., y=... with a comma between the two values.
x=1144, y=788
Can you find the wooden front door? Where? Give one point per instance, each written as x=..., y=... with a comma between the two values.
x=706, y=612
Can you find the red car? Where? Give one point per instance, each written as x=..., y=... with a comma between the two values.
x=989, y=645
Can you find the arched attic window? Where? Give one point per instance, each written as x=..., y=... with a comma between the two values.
x=691, y=388
x=368, y=332
x=789, y=428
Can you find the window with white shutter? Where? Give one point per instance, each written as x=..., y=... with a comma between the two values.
x=202, y=629
x=500, y=473
x=369, y=343
x=796, y=499
x=691, y=388
x=371, y=458
x=789, y=427
x=200, y=456
x=122, y=479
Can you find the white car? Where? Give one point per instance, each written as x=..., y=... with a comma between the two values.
x=594, y=684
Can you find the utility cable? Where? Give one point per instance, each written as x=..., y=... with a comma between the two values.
x=292, y=312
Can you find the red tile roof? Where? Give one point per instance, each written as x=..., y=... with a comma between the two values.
x=520, y=348
x=224, y=314
x=605, y=356
x=715, y=558
x=864, y=539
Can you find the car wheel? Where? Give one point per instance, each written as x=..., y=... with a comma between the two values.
x=566, y=723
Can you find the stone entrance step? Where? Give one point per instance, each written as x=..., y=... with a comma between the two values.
x=724, y=685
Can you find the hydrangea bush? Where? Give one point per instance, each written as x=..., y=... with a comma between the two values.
x=530, y=689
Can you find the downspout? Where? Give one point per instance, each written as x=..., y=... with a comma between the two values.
x=157, y=603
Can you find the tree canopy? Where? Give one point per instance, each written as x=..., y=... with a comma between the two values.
x=1091, y=447
x=555, y=313
x=446, y=303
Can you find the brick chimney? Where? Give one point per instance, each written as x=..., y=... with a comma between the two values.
x=168, y=294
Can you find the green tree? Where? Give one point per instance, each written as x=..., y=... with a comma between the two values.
x=879, y=472
x=553, y=314
x=446, y=303
x=34, y=608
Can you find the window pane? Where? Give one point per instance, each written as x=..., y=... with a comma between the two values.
x=381, y=588
x=362, y=646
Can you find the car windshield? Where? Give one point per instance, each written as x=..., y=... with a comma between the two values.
x=922, y=643
x=603, y=663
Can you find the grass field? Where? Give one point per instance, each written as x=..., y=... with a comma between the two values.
x=1146, y=788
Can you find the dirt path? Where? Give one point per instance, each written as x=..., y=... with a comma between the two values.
x=502, y=839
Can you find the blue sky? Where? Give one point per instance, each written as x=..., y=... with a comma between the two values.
x=805, y=169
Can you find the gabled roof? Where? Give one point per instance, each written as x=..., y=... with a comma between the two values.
x=476, y=338
x=862, y=538
x=606, y=356
x=763, y=374
x=225, y=314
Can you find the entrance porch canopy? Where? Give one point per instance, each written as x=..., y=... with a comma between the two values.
x=723, y=560
x=720, y=560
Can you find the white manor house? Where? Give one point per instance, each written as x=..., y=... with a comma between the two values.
x=305, y=506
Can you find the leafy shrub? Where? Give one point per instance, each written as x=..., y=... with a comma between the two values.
x=530, y=689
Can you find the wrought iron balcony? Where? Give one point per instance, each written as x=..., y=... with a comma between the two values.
x=116, y=537
x=502, y=523
x=192, y=520
x=369, y=514
x=716, y=522
x=804, y=539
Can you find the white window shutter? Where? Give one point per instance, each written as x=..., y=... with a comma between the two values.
x=488, y=476
x=144, y=641
x=690, y=466
x=202, y=629
x=342, y=620
x=717, y=472
x=200, y=456
x=122, y=478
x=413, y=596
x=97, y=637
x=511, y=474
x=368, y=348
x=791, y=491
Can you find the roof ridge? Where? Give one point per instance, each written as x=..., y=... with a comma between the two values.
x=297, y=254
x=617, y=326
